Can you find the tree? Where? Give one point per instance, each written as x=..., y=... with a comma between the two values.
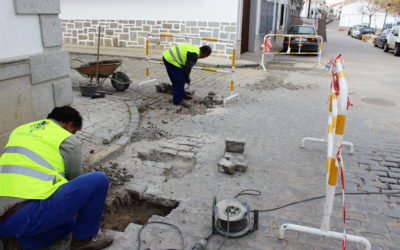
x=370, y=8
x=393, y=6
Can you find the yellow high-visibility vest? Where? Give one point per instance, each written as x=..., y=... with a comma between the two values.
x=32, y=166
x=176, y=55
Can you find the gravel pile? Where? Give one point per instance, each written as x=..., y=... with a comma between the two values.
x=116, y=175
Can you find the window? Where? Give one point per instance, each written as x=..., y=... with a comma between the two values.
x=303, y=30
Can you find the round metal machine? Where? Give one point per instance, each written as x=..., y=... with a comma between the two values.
x=231, y=218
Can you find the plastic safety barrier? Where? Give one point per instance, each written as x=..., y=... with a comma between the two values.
x=232, y=96
x=338, y=105
x=267, y=45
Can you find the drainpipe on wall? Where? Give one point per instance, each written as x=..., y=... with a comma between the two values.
x=257, y=35
x=274, y=19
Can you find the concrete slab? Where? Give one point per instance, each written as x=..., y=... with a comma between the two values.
x=37, y=7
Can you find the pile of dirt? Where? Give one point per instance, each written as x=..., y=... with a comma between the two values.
x=116, y=175
x=150, y=133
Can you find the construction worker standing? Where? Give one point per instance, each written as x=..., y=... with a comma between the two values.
x=43, y=196
x=178, y=61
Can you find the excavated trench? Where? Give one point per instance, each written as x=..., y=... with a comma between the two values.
x=128, y=208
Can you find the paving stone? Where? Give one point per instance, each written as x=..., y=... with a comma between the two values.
x=389, y=164
x=367, y=162
x=379, y=173
x=392, y=213
x=395, y=199
x=379, y=168
x=366, y=188
x=136, y=190
x=376, y=228
x=365, y=167
x=227, y=166
x=394, y=186
x=388, y=180
x=392, y=159
x=187, y=155
x=376, y=184
x=397, y=170
x=394, y=175
x=238, y=160
x=234, y=145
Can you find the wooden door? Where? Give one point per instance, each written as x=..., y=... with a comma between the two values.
x=245, y=26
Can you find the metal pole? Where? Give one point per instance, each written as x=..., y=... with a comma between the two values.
x=309, y=8
x=384, y=20
x=98, y=52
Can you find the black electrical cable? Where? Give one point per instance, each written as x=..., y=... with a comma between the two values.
x=256, y=192
x=164, y=223
x=246, y=192
x=322, y=196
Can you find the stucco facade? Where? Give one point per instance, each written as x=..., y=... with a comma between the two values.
x=34, y=71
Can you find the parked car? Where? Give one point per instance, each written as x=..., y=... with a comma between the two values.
x=310, y=44
x=380, y=39
x=350, y=31
x=359, y=31
x=393, y=41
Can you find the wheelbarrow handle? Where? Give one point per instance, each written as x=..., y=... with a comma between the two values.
x=76, y=59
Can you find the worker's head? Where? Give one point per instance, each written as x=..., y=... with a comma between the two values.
x=68, y=117
x=205, y=51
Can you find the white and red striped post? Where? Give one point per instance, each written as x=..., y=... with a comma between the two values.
x=338, y=105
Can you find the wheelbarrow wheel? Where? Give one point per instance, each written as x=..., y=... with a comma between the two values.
x=116, y=80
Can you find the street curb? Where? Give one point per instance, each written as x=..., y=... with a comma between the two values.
x=238, y=64
x=117, y=148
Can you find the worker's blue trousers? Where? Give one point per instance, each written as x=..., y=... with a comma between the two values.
x=75, y=207
x=178, y=78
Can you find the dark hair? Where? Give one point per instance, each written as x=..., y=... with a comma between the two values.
x=206, y=50
x=66, y=114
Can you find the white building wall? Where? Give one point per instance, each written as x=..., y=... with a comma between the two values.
x=16, y=31
x=34, y=71
x=182, y=10
x=351, y=16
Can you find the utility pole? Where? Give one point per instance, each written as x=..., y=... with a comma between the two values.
x=309, y=8
x=384, y=20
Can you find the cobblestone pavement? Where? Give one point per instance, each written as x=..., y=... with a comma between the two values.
x=275, y=111
x=107, y=122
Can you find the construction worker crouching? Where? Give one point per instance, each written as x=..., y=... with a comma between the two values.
x=178, y=61
x=43, y=196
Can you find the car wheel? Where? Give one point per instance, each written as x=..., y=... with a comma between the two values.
x=385, y=47
x=397, y=49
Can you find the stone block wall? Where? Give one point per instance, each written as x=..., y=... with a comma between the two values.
x=32, y=85
x=132, y=33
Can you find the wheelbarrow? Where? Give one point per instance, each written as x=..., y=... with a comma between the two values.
x=119, y=80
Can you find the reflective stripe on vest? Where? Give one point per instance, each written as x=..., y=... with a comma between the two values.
x=180, y=61
x=13, y=169
x=31, y=155
x=177, y=56
x=32, y=166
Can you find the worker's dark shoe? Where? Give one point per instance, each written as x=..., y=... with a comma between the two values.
x=102, y=240
x=188, y=96
x=184, y=104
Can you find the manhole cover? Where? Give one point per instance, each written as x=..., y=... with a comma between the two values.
x=378, y=101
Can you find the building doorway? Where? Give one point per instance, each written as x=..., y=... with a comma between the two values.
x=245, y=26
